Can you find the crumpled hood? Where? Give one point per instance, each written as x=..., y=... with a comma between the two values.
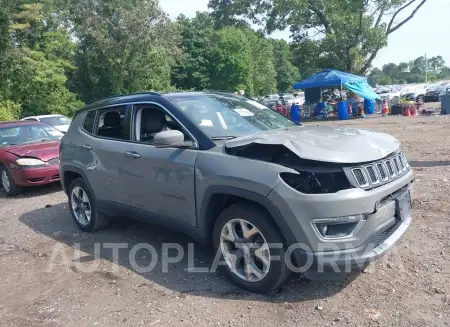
x=43, y=151
x=327, y=144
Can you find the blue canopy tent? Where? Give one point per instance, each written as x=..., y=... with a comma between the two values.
x=332, y=77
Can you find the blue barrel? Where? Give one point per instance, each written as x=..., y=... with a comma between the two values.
x=321, y=108
x=296, y=113
x=369, y=107
x=343, y=110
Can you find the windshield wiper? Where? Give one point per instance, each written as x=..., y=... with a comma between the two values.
x=217, y=138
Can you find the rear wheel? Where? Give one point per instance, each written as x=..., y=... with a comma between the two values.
x=83, y=208
x=7, y=182
x=252, y=248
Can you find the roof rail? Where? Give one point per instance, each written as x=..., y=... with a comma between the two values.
x=127, y=94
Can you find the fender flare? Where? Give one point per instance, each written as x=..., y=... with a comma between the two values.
x=65, y=169
x=205, y=223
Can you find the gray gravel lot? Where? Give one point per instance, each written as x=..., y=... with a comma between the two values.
x=409, y=287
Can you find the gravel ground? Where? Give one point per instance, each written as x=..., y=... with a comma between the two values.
x=409, y=287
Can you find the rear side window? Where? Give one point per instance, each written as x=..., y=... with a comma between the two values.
x=89, y=121
x=113, y=123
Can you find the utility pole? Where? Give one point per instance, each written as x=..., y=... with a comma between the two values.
x=426, y=69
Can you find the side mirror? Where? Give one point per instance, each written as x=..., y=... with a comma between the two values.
x=169, y=139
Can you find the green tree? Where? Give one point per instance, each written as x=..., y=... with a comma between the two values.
x=378, y=77
x=263, y=63
x=38, y=59
x=350, y=33
x=231, y=62
x=287, y=73
x=123, y=46
x=193, y=68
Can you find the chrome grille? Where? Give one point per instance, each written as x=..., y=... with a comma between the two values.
x=372, y=175
x=380, y=172
x=360, y=177
x=390, y=168
x=397, y=165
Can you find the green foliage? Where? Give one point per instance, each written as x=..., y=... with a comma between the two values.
x=192, y=70
x=38, y=60
x=53, y=54
x=9, y=110
x=124, y=46
x=412, y=72
x=287, y=73
x=231, y=62
x=348, y=33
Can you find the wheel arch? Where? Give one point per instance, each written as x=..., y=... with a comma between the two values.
x=69, y=174
x=217, y=198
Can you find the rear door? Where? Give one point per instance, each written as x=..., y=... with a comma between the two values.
x=109, y=170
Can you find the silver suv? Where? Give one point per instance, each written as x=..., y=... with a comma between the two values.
x=270, y=195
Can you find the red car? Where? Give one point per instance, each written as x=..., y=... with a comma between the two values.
x=29, y=155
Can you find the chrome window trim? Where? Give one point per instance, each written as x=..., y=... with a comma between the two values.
x=132, y=103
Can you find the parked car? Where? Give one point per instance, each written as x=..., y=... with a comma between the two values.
x=289, y=98
x=225, y=170
x=433, y=92
x=272, y=104
x=29, y=155
x=444, y=90
x=60, y=122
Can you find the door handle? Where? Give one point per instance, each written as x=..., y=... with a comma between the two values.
x=132, y=155
x=86, y=147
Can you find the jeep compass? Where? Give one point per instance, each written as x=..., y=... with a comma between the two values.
x=271, y=195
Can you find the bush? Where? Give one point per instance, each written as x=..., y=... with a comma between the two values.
x=9, y=110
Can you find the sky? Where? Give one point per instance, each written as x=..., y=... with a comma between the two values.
x=427, y=33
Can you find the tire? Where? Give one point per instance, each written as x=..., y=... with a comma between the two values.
x=97, y=219
x=420, y=98
x=8, y=185
x=278, y=271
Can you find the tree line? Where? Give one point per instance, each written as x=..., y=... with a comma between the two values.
x=56, y=55
x=415, y=71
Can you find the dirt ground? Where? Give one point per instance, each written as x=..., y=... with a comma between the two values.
x=409, y=287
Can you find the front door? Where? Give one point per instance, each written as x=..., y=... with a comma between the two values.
x=162, y=179
x=163, y=182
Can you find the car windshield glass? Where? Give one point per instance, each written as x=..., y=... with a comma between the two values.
x=228, y=115
x=55, y=121
x=27, y=134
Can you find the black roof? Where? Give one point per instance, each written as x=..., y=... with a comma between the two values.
x=149, y=96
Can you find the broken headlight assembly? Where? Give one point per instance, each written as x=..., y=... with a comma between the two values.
x=317, y=182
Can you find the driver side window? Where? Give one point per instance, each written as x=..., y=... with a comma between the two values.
x=151, y=120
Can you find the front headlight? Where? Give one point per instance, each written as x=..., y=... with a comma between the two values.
x=26, y=162
x=317, y=182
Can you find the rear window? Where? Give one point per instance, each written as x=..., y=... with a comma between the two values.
x=89, y=121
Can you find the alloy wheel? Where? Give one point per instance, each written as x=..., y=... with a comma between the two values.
x=5, y=181
x=245, y=250
x=81, y=206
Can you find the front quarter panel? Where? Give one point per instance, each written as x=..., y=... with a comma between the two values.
x=217, y=168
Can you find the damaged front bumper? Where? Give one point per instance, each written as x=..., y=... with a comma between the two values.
x=322, y=257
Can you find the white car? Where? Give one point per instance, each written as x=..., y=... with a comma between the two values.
x=60, y=122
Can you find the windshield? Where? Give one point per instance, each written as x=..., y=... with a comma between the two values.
x=230, y=116
x=27, y=134
x=55, y=121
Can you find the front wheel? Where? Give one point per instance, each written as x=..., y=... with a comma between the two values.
x=83, y=209
x=252, y=248
x=7, y=182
